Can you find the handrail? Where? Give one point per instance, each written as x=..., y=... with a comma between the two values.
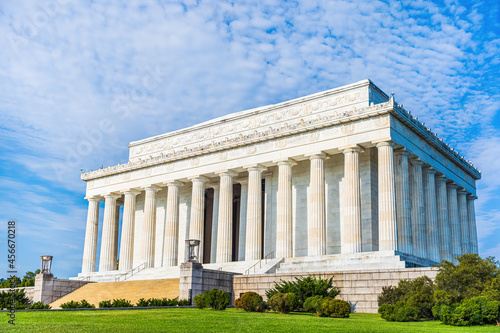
x=270, y=254
x=132, y=272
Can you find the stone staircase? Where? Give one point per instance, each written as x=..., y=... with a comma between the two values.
x=343, y=262
x=129, y=290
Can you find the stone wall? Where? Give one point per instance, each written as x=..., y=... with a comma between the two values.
x=194, y=280
x=47, y=289
x=28, y=291
x=359, y=288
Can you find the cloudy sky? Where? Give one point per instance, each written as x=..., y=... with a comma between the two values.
x=69, y=68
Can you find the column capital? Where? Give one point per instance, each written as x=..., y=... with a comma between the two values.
x=285, y=161
x=428, y=169
x=383, y=142
x=112, y=195
x=199, y=179
x=131, y=191
x=154, y=188
x=402, y=151
x=441, y=177
x=94, y=198
x=173, y=183
x=255, y=167
x=351, y=149
x=415, y=160
x=461, y=190
x=315, y=156
x=452, y=184
x=471, y=196
x=229, y=173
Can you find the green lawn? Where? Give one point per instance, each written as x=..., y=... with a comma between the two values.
x=194, y=320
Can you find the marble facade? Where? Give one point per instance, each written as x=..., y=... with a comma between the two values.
x=344, y=171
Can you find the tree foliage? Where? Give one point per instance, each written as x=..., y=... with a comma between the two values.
x=409, y=301
x=466, y=292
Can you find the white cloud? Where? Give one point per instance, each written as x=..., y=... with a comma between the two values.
x=94, y=62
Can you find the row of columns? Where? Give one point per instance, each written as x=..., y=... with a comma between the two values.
x=436, y=219
x=419, y=213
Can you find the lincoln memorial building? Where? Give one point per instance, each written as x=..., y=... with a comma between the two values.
x=344, y=179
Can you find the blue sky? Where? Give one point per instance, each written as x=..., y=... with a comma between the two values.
x=68, y=67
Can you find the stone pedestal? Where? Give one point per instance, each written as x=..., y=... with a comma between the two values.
x=48, y=289
x=191, y=280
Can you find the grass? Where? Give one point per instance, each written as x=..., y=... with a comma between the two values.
x=194, y=320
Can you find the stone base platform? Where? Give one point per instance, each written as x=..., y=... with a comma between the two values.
x=359, y=287
x=352, y=261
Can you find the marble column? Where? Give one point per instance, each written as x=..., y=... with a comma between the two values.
x=456, y=248
x=242, y=238
x=471, y=214
x=351, y=230
x=225, y=224
x=417, y=209
x=215, y=219
x=316, y=221
x=171, y=243
x=431, y=218
x=464, y=220
x=197, y=219
x=108, y=243
x=116, y=241
x=149, y=226
x=253, y=243
x=284, y=240
x=403, y=203
x=90, y=246
x=128, y=228
x=443, y=221
x=387, y=214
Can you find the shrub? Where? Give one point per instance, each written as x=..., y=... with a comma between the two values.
x=392, y=295
x=252, y=302
x=199, y=301
x=386, y=311
x=237, y=304
x=409, y=301
x=105, y=304
x=283, y=303
x=479, y=310
x=19, y=296
x=86, y=305
x=39, y=306
x=216, y=299
x=304, y=288
x=335, y=308
x=121, y=303
x=312, y=304
x=183, y=302
x=172, y=302
x=143, y=303
x=19, y=306
x=157, y=302
x=401, y=312
x=70, y=305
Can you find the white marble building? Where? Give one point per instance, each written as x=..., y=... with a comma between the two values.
x=329, y=179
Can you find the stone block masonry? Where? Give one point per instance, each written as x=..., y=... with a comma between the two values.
x=195, y=280
x=48, y=289
x=359, y=288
